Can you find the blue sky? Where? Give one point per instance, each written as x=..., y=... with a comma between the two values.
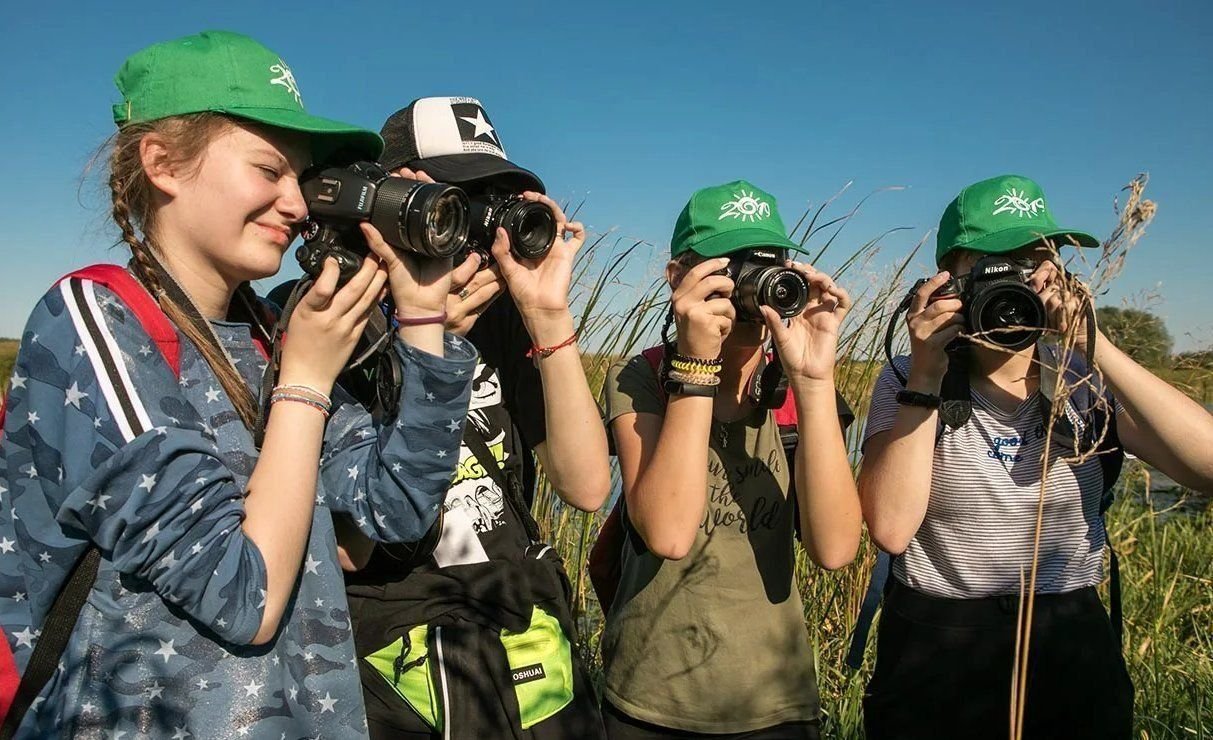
x=634, y=105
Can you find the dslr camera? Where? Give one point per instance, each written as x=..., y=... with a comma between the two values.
x=429, y=219
x=761, y=279
x=999, y=304
x=530, y=225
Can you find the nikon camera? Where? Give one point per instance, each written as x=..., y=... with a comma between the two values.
x=1000, y=305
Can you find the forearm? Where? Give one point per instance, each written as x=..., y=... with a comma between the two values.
x=279, y=504
x=1181, y=431
x=427, y=337
x=574, y=453
x=830, y=515
x=895, y=477
x=668, y=500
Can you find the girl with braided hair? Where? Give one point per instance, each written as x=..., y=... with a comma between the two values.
x=217, y=607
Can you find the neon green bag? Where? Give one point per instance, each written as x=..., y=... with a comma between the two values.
x=405, y=665
x=541, y=667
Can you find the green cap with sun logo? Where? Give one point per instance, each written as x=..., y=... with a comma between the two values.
x=727, y=218
x=1001, y=215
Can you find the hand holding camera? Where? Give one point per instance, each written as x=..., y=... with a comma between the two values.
x=327, y=322
x=808, y=345
x=934, y=319
x=703, y=309
x=539, y=279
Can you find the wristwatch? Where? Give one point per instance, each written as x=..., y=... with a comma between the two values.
x=676, y=388
x=914, y=398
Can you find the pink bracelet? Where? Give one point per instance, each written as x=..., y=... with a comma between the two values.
x=421, y=320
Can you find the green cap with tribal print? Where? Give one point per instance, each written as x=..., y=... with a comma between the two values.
x=727, y=218
x=225, y=72
x=1001, y=215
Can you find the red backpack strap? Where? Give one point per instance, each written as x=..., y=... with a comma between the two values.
x=141, y=303
x=785, y=415
x=655, y=356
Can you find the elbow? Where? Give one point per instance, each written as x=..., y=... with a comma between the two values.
x=267, y=631
x=835, y=555
x=670, y=549
x=668, y=544
x=892, y=542
x=591, y=493
x=837, y=559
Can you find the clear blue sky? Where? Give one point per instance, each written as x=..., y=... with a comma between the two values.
x=634, y=105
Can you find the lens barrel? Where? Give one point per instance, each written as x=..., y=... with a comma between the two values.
x=783, y=289
x=1008, y=314
x=428, y=218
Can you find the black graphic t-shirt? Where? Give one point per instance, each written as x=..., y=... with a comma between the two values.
x=507, y=413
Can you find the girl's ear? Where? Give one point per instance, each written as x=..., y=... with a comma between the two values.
x=674, y=270
x=158, y=165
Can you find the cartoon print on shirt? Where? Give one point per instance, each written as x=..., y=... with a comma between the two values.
x=473, y=490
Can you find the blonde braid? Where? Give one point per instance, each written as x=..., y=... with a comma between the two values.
x=127, y=181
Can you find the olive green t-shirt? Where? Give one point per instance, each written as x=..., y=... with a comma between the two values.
x=715, y=642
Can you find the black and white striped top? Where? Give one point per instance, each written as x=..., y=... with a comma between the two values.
x=977, y=537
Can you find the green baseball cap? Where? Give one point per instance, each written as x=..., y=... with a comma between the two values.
x=725, y=218
x=225, y=72
x=1000, y=215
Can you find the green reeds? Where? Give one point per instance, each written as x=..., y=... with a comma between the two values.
x=1166, y=558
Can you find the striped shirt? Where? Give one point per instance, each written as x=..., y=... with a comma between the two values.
x=977, y=536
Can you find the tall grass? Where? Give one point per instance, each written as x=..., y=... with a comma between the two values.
x=1166, y=560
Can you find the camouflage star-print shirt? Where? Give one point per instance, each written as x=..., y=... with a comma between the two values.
x=162, y=649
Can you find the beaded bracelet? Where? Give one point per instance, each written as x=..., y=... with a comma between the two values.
x=696, y=364
x=295, y=398
x=694, y=378
x=306, y=390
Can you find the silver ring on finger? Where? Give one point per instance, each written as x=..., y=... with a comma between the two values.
x=463, y=294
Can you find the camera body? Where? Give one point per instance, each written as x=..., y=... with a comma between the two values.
x=760, y=278
x=530, y=225
x=1000, y=305
x=430, y=219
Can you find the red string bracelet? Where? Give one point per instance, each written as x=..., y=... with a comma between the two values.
x=537, y=353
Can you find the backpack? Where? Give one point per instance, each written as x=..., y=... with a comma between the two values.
x=1085, y=421
x=605, y=563
x=18, y=691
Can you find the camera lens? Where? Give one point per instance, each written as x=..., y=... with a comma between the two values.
x=531, y=227
x=443, y=223
x=787, y=292
x=427, y=218
x=1010, y=315
x=781, y=288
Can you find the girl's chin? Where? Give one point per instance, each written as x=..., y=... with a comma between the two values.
x=258, y=265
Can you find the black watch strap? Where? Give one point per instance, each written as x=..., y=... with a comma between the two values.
x=675, y=388
x=914, y=398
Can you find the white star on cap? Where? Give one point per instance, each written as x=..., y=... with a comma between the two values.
x=482, y=126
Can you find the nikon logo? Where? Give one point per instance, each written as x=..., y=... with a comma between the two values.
x=528, y=673
x=998, y=268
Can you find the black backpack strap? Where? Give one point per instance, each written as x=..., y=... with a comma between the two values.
x=56, y=631
x=882, y=572
x=956, y=403
x=510, y=488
